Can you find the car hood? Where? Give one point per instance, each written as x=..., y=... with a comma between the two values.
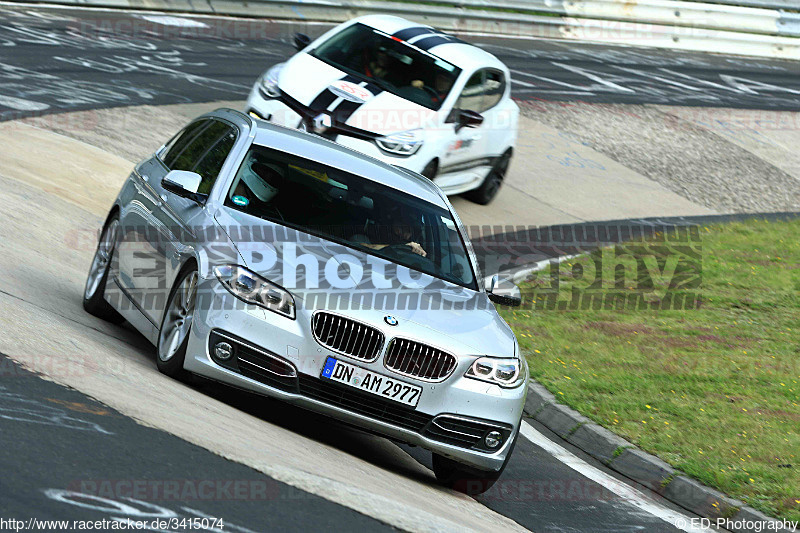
x=434, y=311
x=313, y=83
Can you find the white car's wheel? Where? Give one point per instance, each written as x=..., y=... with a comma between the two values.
x=431, y=169
x=492, y=182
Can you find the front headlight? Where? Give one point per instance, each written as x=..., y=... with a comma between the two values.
x=503, y=372
x=403, y=144
x=253, y=289
x=269, y=81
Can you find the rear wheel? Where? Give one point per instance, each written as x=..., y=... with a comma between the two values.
x=492, y=182
x=173, y=337
x=93, y=300
x=470, y=481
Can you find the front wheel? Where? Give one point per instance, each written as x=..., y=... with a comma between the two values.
x=93, y=300
x=173, y=338
x=431, y=170
x=492, y=182
x=464, y=479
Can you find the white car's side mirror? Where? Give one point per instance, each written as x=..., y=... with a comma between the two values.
x=466, y=118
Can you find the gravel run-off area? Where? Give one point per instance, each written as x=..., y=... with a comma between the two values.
x=693, y=161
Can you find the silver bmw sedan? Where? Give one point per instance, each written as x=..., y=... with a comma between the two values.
x=280, y=262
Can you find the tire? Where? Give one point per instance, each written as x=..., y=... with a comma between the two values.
x=470, y=481
x=431, y=169
x=492, y=182
x=93, y=301
x=176, y=325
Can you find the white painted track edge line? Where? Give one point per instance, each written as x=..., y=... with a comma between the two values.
x=626, y=493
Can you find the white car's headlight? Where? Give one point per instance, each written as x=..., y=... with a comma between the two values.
x=503, y=372
x=269, y=81
x=404, y=143
x=253, y=289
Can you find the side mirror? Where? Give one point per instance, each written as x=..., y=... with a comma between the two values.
x=184, y=183
x=468, y=119
x=503, y=292
x=301, y=40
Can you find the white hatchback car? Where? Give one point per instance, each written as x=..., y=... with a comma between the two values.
x=406, y=94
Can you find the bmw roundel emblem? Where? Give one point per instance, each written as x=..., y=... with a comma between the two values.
x=389, y=319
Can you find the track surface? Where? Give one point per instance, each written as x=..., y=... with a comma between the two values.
x=66, y=59
x=72, y=445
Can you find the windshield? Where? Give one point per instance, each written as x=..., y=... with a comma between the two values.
x=394, y=65
x=351, y=210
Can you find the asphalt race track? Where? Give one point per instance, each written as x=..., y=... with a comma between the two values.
x=83, y=461
x=62, y=59
x=59, y=442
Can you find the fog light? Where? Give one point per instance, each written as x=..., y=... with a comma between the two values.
x=224, y=351
x=493, y=439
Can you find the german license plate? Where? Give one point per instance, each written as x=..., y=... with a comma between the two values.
x=368, y=381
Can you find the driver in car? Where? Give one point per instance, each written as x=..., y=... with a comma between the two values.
x=401, y=233
x=259, y=181
x=378, y=66
x=441, y=86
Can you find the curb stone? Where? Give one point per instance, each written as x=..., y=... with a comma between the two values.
x=643, y=468
x=603, y=443
x=560, y=419
x=700, y=499
x=647, y=469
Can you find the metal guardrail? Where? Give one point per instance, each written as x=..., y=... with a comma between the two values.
x=792, y=5
x=675, y=24
x=729, y=16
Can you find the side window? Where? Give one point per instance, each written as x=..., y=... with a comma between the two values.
x=211, y=163
x=483, y=91
x=472, y=93
x=204, y=151
x=178, y=143
x=494, y=87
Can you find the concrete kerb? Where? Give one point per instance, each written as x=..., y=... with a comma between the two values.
x=645, y=469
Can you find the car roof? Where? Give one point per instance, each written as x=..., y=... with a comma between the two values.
x=464, y=55
x=335, y=155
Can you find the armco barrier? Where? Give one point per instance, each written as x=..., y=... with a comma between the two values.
x=668, y=12
x=684, y=25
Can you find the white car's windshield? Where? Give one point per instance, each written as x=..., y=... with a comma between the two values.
x=351, y=210
x=397, y=67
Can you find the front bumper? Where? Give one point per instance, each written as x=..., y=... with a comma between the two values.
x=456, y=400
x=278, y=112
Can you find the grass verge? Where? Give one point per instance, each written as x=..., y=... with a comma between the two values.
x=713, y=390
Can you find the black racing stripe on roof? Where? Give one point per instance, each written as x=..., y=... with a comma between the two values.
x=427, y=43
x=410, y=33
